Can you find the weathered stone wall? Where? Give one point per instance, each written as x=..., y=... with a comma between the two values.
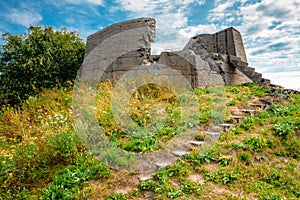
x=115, y=29
x=118, y=48
x=228, y=41
x=207, y=59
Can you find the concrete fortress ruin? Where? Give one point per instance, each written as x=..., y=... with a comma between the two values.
x=207, y=59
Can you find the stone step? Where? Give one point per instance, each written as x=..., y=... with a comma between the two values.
x=163, y=164
x=267, y=101
x=280, y=96
x=250, y=112
x=291, y=91
x=180, y=153
x=265, y=81
x=144, y=177
x=226, y=127
x=214, y=135
x=262, y=106
x=237, y=118
x=197, y=143
x=258, y=75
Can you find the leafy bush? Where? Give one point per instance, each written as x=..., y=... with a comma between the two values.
x=271, y=197
x=68, y=184
x=207, y=154
x=115, y=197
x=40, y=58
x=148, y=185
x=283, y=129
x=222, y=176
x=258, y=143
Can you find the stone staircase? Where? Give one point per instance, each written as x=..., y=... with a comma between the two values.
x=248, y=71
x=214, y=133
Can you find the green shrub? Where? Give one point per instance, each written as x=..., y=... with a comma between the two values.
x=68, y=184
x=271, y=197
x=258, y=143
x=284, y=129
x=232, y=102
x=148, y=185
x=222, y=176
x=40, y=58
x=115, y=197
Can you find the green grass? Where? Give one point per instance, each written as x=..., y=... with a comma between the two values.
x=42, y=157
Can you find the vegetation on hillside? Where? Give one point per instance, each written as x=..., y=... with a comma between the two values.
x=43, y=158
x=40, y=58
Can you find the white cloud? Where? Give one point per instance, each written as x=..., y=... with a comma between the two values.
x=270, y=29
x=218, y=13
x=139, y=5
x=180, y=37
x=286, y=79
x=191, y=31
x=94, y=2
x=23, y=17
x=171, y=16
x=271, y=32
x=63, y=3
x=202, y=2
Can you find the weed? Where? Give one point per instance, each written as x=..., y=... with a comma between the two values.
x=232, y=102
x=238, y=145
x=115, y=197
x=190, y=187
x=271, y=197
x=284, y=129
x=245, y=157
x=68, y=184
x=148, y=185
x=258, y=143
x=247, y=124
x=224, y=160
x=207, y=154
x=199, y=136
x=223, y=176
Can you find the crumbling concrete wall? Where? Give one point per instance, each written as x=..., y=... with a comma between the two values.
x=228, y=41
x=118, y=47
x=148, y=25
x=207, y=59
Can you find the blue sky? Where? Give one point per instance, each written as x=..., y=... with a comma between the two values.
x=270, y=28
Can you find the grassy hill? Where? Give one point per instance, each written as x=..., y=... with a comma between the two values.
x=43, y=158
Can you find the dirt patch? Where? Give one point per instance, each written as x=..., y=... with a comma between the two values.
x=120, y=182
x=198, y=178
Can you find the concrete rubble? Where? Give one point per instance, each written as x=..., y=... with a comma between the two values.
x=207, y=59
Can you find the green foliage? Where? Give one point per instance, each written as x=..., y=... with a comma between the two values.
x=115, y=197
x=247, y=124
x=40, y=58
x=190, y=187
x=232, y=102
x=271, y=197
x=224, y=160
x=42, y=158
x=258, y=143
x=207, y=155
x=200, y=136
x=68, y=184
x=284, y=129
x=259, y=90
x=223, y=176
x=148, y=185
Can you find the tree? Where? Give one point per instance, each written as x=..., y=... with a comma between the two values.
x=40, y=58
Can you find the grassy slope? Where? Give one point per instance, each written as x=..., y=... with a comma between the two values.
x=41, y=157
